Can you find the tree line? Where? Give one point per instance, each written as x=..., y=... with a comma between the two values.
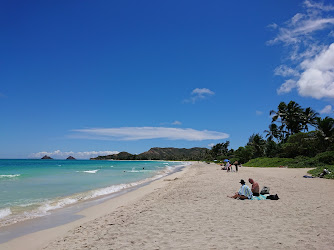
x=288, y=136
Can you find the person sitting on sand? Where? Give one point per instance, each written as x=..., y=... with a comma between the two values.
x=255, y=187
x=244, y=192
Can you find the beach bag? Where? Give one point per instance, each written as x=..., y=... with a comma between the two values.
x=265, y=190
x=272, y=197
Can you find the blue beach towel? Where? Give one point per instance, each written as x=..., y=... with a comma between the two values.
x=260, y=197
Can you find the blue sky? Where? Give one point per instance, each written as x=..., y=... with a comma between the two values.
x=96, y=77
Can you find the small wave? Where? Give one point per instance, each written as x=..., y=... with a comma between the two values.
x=9, y=175
x=58, y=204
x=89, y=171
x=5, y=212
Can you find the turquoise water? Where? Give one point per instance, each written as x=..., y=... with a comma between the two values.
x=33, y=188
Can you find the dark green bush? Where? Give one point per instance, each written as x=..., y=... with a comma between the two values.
x=326, y=158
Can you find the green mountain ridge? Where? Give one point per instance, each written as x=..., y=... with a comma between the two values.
x=171, y=154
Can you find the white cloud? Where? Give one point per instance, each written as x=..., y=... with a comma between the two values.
x=326, y=110
x=301, y=29
x=285, y=71
x=287, y=86
x=273, y=26
x=313, y=71
x=141, y=133
x=177, y=123
x=258, y=112
x=318, y=5
x=199, y=94
x=57, y=154
x=211, y=145
x=317, y=80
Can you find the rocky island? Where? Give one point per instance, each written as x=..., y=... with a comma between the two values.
x=45, y=157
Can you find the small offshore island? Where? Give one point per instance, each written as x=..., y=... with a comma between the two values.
x=46, y=157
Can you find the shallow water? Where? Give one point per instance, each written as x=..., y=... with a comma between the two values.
x=33, y=188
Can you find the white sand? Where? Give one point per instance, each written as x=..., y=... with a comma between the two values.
x=190, y=210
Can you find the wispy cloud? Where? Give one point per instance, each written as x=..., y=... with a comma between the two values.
x=142, y=133
x=199, y=94
x=177, y=123
x=78, y=155
x=308, y=36
x=326, y=110
x=258, y=112
x=285, y=71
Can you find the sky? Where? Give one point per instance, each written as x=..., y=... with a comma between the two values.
x=88, y=78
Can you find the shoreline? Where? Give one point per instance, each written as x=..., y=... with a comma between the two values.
x=190, y=210
x=53, y=205
x=75, y=215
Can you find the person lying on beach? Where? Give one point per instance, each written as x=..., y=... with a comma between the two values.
x=244, y=192
x=255, y=187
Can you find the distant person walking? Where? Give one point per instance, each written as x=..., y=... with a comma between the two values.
x=236, y=163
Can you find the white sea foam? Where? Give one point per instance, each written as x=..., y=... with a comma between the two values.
x=5, y=212
x=9, y=175
x=57, y=204
x=89, y=171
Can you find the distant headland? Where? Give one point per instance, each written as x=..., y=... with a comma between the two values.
x=171, y=154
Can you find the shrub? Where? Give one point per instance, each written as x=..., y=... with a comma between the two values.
x=325, y=157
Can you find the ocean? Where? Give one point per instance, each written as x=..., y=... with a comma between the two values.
x=34, y=188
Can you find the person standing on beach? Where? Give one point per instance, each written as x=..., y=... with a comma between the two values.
x=228, y=165
x=236, y=166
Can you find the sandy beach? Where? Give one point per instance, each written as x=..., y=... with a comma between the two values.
x=190, y=210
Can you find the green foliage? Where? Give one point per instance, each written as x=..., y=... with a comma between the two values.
x=325, y=157
x=258, y=144
x=265, y=162
x=306, y=144
x=244, y=154
x=292, y=118
x=220, y=149
x=271, y=148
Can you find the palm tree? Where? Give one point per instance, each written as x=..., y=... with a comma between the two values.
x=273, y=132
x=280, y=113
x=257, y=142
x=325, y=126
x=291, y=117
x=309, y=118
x=294, y=118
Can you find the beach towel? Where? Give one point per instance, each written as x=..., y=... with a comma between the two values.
x=260, y=197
